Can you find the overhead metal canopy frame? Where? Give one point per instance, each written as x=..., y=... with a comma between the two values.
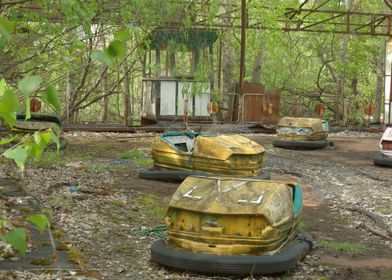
x=309, y=16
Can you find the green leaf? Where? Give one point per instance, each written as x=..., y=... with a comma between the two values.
x=8, y=106
x=33, y=149
x=124, y=35
x=27, y=102
x=3, y=87
x=117, y=48
x=29, y=84
x=5, y=28
x=7, y=140
x=17, y=238
x=42, y=139
x=51, y=97
x=19, y=155
x=40, y=221
x=102, y=57
x=55, y=139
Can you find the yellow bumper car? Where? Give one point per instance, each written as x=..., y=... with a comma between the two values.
x=302, y=133
x=39, y=122
x=385, y=156
x=177, y=155
x=233, y=226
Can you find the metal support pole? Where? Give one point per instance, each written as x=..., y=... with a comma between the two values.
x=242, y=57
x=388, y=82
x=243, y=45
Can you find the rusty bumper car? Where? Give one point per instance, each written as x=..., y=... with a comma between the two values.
x=302, y=133
x=40, y=122
x=385, y=156
x=233, y=226
x=177, y=155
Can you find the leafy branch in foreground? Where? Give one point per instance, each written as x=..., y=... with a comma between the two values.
x=23, y=147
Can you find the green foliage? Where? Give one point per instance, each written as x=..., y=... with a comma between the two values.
x=25, y=145
x=152, y=207
x=40, y=221
x=353, y=247
x=28, y=85
x=8, y=104
x=117, y=48
x=17, y=238
x=49, y=158
x=123, y=35
x=143, y=162
x=103, y=57
x=55, y=139
x=133, y=154
x=7, y=140
x=5, y=29
x=216, y=95
x=139, y=158
x=51, y=97
x=19, y=155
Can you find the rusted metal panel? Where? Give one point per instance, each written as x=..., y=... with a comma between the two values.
x=261, y=107
x=253, y=88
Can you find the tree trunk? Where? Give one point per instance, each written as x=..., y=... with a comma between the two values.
x=105, y=88
x=340, y=81
x=126, y=94
x=68, y=114
x=378, y=100
x=257, y=66
x=349, y=103
x=104, y=116
x=228, y=84
x=104, y=113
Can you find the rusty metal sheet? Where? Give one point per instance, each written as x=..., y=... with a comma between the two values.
x=262, y=107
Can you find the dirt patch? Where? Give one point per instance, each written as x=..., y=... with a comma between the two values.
x=358, y=263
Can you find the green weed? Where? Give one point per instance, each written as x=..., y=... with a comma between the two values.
x=132, y=154
x=386, y=210
x=151, y=206
x=116, y=202
x=301, y=225
x=93, y=168
x=47, y=159
x=139, y=158
x=125, y=247
x=143, y=162
x=353, y=247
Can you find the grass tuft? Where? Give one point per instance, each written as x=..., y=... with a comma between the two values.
x=132, y=154
x=353, y=247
